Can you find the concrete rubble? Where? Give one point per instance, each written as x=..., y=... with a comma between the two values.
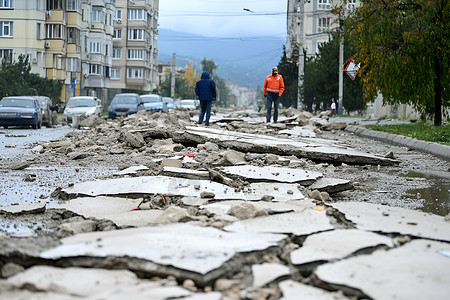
x=239, y=210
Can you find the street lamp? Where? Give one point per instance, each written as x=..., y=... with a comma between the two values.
x=341, y=61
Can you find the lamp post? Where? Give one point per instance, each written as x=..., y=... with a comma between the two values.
x=301, y=54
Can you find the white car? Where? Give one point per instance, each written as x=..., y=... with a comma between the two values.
x=188, y=104
x=82, y=106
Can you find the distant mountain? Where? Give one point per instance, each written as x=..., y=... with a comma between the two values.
x=245, y=61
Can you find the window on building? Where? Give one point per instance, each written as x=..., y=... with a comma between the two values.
x=73, y=35
x=137, y=14
x=137, y=54
x=117, y=53
x=38, y=31
x=73, y=5
x=115, y=74
x=54, y=31
x=95, y=47
x=117, y=34
x=106, y=71
x=118, y=15
x=107, y=51
x=54, y=4
x=136, y=34
x=324, y=24
x=97, y=15
x=6, y=29
x=324, y=4
x=6, y=3
x=71, y=64
x=6, y=54
x=95, y=69
x=135, y=73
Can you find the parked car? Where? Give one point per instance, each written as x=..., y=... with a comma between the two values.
x=124, y=105
x=170, y=103
x=82, y=106
x=188, y=104
x=49, y=111
x=154, y=102
x=20, y=111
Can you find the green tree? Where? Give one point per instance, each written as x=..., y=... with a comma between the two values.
x=183, y=90
x=16, y=79
x=209, y=66
x=403, y=49
x=289, y=70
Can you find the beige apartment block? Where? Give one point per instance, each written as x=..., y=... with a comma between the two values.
x=135, y=44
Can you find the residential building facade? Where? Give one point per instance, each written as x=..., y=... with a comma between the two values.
x=75, y=42
x=135, y=47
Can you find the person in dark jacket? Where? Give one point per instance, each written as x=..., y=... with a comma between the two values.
x=205, y=89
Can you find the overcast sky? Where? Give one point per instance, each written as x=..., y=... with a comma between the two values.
x=222, y=18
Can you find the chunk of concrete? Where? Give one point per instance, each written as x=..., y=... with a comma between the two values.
x=303, y=222
x=268, y=272
x=280, y=192
x=393, y=274
x=185, y=173
x=293, y=290
x=336, y=244
x=169, y=186
x=118, y=210
x=183, y=246
x=331, y=185
x=131, y=170
x=299, y=131
x=35, y=208
x=381, y=218
x=268, y=173
x=91, y=283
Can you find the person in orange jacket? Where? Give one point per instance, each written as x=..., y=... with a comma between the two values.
x=273, y=89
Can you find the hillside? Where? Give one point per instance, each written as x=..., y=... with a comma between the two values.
x=245, y=61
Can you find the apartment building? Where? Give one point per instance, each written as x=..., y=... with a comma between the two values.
x=318, y=21
x=135, y=44
x=75, y=42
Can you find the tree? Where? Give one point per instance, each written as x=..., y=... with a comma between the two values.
x=209, y=66
x=404, y=51
x=289, y=70
x=16, y=79
x=183, y=90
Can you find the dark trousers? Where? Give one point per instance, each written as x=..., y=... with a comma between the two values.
x=205, y=106
x=275, y=99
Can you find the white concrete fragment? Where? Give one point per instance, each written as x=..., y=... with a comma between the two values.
x=293, y=290
x=131, y=170
x=93, y=284
x=413, y=271
x=382, y=218
x=269, y=173
x=267, y=272
x=186, y=173
x=279, y=191
x=299, y=131
x=336, y=244
x=331, y=185
x=115, y=209
x=298, y=223
x=169, y=186
x=24, y=208
x=184, y=246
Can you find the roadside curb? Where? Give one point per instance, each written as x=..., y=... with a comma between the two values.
x=441, y=151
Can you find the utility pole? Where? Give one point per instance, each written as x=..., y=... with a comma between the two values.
x=301, y=57
x=341, y=60
x=172, y=85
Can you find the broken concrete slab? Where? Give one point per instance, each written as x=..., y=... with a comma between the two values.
x=382, y=218
x=299, y=131
x=169, y=186
x=58, y=283
x=118, y=210
x=315, y=149
x=390, y=274
x=298, y=223
x=268, y=173
x=331, y=185
x=35, y=208
x=200, y=250
x=268, y=272
x=185, y=173
x=336, y=244
x=131, y=170
x=293, y=290
x=279, y=192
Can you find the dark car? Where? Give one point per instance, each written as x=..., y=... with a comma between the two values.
x=124, y=105
x=154, y=102
x=49, y=112
x=20, y=111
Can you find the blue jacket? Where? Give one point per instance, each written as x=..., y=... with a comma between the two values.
x=205, y=88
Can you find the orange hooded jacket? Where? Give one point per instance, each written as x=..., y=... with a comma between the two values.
x=274, y=84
